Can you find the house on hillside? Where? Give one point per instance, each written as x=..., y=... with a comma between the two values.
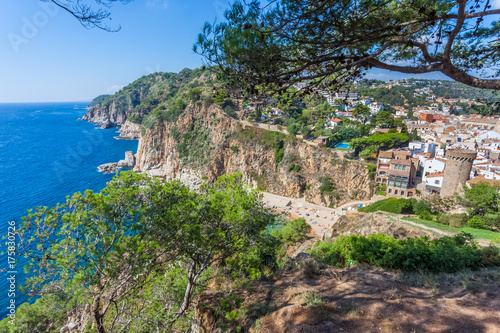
x=397, y=171
x=433, y=182
x=334, y=122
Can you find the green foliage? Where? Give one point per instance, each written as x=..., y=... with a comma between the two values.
x=362, y=112
x=220, y=97
x=372, y=170
x=481, y=198
x=97, y=100
x=135, y=118
x=194, y=95
x=453, y=220
x=327, y=185
x=280, y=153
x=159, y=237
x=421, y=206
x=46, y=314
x=445, y=254
x=175, y=133
x=380, y=193
x=229, y=110
x=270, y=139
x=476, y=222
x=425, y=215
x=294, y=167
x=195, y=146
x=382, y=119
x=295, y=231
x=391, y=205
x=378, y=142
x=293, y=129
x=154, y=93
x=311, y=298
x=234, y=149
x=347, y=133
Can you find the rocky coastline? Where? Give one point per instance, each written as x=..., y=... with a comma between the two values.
x=128, y=162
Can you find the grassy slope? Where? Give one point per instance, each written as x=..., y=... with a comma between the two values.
x=477, y=233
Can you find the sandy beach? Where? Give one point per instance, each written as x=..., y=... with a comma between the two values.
x=320, y=218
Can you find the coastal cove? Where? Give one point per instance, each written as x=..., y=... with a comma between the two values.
x=46, y=154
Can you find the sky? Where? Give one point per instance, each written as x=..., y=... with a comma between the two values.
x=48, y=56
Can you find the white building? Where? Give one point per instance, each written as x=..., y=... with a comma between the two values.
x=434, y=181
x=433, y=165
x=376, y=107
x=422, y=147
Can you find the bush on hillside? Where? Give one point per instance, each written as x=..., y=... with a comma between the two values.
x=446, y=254
x=295, y=231
x=391, y=205
x=453, y=220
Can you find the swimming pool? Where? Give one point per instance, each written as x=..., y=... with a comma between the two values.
x=342, y=145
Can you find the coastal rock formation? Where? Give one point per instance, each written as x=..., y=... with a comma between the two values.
x=204, y=143
x=129, y=131
x=128, y=162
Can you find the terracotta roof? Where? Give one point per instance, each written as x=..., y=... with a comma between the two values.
x=385, y=154
x=480, y=179
x=400, y=162
x=405, y=173
x=437, y=174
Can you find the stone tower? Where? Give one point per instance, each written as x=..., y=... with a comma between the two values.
x=457, y=171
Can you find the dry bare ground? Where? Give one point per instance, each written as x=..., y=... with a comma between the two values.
x=367, y=299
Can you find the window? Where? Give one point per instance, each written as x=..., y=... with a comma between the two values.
x=436, y=182
x=395, y=191
x=402, y=192
x=390, y=190
x=404, y=167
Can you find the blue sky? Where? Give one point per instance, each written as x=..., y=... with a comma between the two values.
x=47, y=56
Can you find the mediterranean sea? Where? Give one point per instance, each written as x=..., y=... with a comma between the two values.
x=45, y=155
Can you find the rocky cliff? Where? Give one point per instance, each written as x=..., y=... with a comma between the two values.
x=143, y=96
x=204, y=143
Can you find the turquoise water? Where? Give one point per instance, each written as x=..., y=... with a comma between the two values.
x=342, y=145
x=46, y=154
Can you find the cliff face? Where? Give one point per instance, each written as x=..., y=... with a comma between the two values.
x=130, y=131
x=204, y=143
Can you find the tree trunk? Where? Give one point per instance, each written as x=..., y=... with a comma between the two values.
x=98, y=317
x=188, y=293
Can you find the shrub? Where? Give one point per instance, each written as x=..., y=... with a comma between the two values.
x=476, y=222
x=425, y=215
x=446, y=254
x=296, y=168
x=381, y=193
x=295, y=231
x=326, y=185
x=453, y=220
x=234, y=149
x=421, y=206
x=280, y=153
x=391, y=205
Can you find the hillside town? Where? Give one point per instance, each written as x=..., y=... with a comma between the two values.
x=453, y=147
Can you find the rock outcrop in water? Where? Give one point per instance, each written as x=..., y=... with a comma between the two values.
x=128, y=162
